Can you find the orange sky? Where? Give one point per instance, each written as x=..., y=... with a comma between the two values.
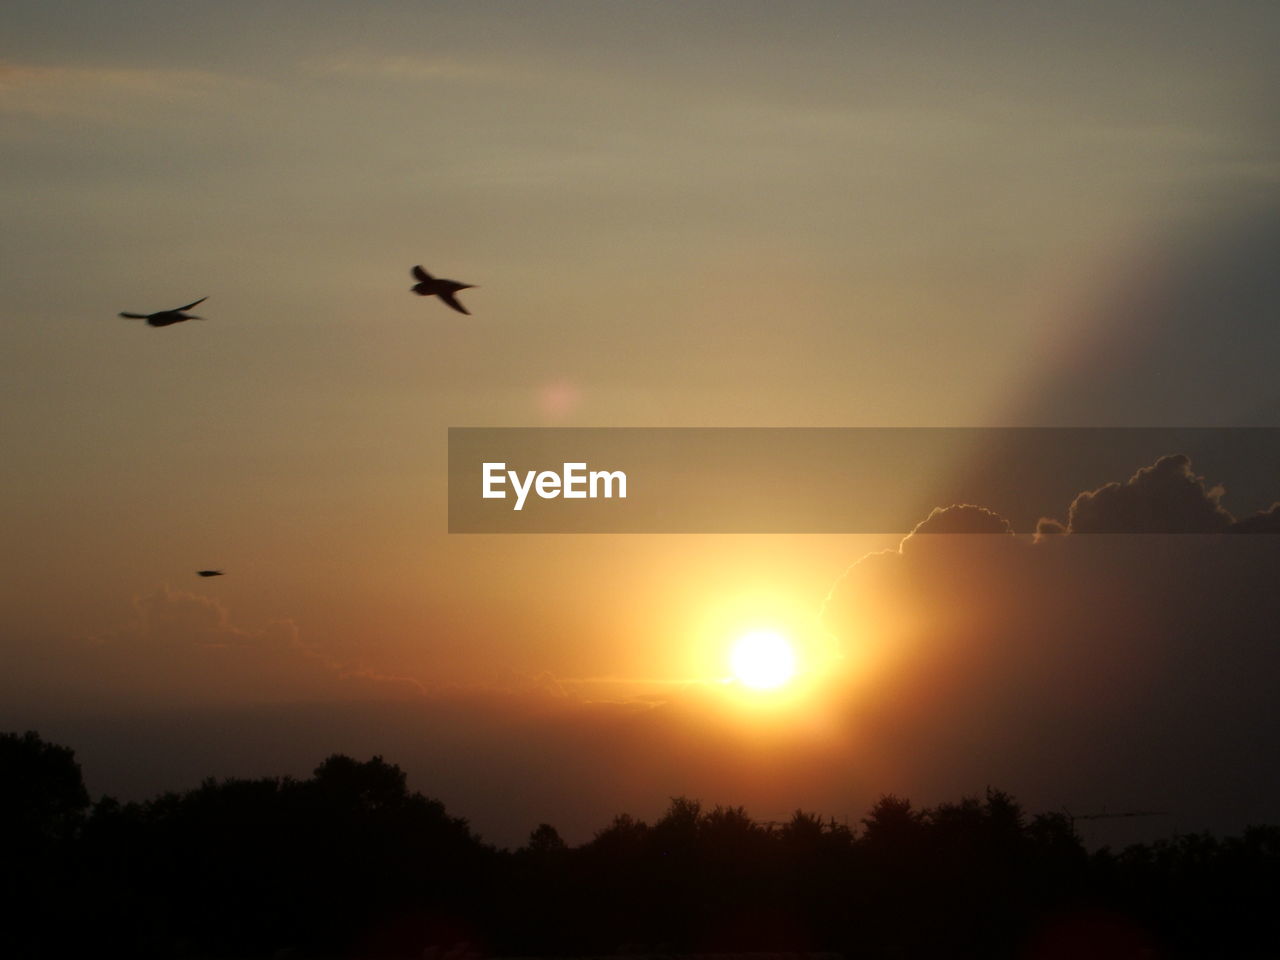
x=705, y=214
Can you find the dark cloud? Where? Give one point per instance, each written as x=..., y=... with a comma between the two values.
x=1183, y=331
x=1166, y=497
x=1264, y=521
x=1088, y=670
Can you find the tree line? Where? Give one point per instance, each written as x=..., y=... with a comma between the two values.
x=351, y=863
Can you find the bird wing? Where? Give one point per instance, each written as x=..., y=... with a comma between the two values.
x=192, y=304
x=452, y=301
x=135, y=316
x=422, y=274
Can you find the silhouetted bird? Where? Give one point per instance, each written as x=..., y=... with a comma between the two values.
x=166, y=317
x=209, y=573
x=428, y=286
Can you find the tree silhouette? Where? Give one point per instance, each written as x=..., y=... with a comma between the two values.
x=545, y=842
x=42, y=807
x=43, y=795
x=350, y=862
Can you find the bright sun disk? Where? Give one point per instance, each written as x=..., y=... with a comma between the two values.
x=762, y=660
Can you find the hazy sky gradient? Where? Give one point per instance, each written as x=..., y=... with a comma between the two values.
x=694, y=214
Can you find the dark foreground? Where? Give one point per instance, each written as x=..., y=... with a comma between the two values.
x=350, y=863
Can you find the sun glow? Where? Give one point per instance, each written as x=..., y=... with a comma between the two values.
x=763, y=660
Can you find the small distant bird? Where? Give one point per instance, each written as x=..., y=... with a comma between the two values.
x=165, y=317
x=428, y=286
x=209, y=573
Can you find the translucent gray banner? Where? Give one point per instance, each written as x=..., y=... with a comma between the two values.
x=855, y=480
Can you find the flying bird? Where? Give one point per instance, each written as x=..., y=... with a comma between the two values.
x=209, y=573
x=428, y=286
x=165, y=317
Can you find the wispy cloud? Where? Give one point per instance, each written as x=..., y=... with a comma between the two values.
x=187, y=644
x=410, y=68
x=81, y=92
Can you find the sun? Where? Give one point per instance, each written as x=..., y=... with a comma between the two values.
x=762, y=660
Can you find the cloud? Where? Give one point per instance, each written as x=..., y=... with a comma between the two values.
x=1264, y=521
x=1166, y=497
x=1182, y=329
x=1094, y=670
x=180, y=647
x=962, y=518
x=105, y=92
x=417, y=69
x=168, y=618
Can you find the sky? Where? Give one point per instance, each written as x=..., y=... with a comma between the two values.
x=696, y=214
